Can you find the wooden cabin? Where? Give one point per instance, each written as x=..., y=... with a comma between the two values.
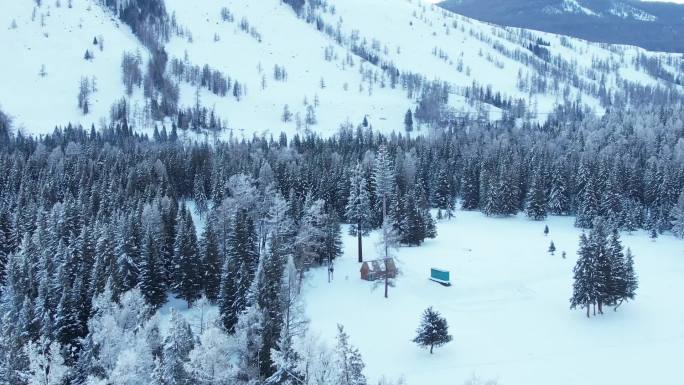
x=377, y=268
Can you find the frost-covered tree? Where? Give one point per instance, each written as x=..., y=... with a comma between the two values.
x=187, y=261
x=209, y=361
x=349, y=362
x=247, y=345
x=433, y=330
x=536, y=200
x=46, y=364
x=677, y=216
x=559, y=202
x=178, y=344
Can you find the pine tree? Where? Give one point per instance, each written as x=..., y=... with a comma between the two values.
x=358, y=210
x=433, y=330
x=552, y=248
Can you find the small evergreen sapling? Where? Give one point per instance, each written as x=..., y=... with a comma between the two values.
x=546, y=230
x=433, y=330
x=552, y=248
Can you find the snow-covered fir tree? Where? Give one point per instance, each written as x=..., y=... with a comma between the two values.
x=358, y=209
x=433, y=330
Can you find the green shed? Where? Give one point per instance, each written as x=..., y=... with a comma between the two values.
x=440, y=276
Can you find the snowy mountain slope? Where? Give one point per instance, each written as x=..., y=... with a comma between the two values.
x=285, y=41
x=414, y=36
x=58, y=37
x=344, y=59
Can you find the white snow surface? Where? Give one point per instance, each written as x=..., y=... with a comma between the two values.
x=38, y=104
x=508, y=308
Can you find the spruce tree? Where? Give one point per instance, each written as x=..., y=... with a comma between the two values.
x=433, y=330
x=238, y=270
x=588, y=208
x=630, y=280
x=603, y=267
x=585, y=291
x=443, y=196
x=152, y=282
x=413, y=225
x=677, y=216
x=470, y=185
x=552, y=248
x=408, y=121
x=211, y=263
x=188, y=274
x=536, y=200
x=358, y=210
x=559, y=202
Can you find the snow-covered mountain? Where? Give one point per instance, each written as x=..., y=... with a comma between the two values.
x=652, y=25
x=330, y=62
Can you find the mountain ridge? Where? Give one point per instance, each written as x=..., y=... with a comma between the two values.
x=654, y=26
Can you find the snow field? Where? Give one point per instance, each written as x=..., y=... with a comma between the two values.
x=508, y=308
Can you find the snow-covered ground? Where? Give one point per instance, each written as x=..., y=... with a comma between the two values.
x=507, y=309
x=58, y=38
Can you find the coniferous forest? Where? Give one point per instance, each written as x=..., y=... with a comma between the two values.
x=96, y=228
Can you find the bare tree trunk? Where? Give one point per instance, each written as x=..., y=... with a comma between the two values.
x=386, y=279
x=600, y=307
x=384, y=228
x=588, y=316
x=358, y=234
x=431, y=347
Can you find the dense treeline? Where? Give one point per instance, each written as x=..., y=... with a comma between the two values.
x=84, y=213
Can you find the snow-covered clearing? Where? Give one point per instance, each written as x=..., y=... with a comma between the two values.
x=507, y=309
